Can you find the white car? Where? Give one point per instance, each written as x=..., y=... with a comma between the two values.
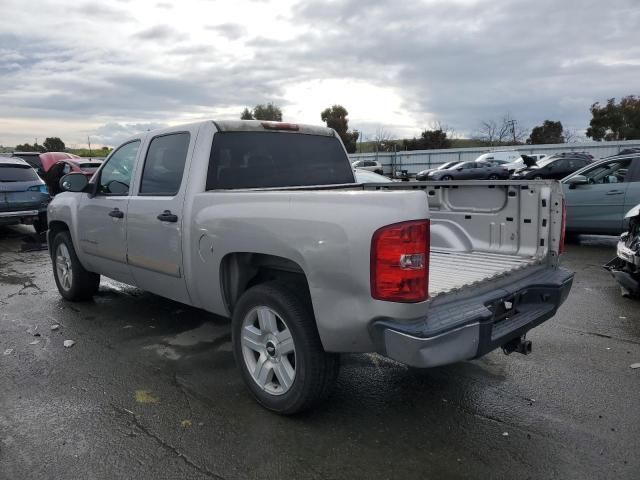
x=365, y=176
x=505, y=156
x=369, y=165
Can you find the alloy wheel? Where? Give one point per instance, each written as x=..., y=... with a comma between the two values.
x=268, y=350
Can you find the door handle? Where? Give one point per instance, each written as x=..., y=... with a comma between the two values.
x=167, y=216
x=615, y=192
x=116, y=213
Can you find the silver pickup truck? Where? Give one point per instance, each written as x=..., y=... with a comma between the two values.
x=263, y=223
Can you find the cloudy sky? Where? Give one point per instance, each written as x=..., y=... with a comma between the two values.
x=73, y=68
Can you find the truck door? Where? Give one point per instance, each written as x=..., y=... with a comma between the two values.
x=102, y=232
x=155, y=217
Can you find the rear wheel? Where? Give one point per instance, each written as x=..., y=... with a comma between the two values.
x=73, y=281
x=447, y=177
x=493, y=176
x=278, y=350
x=537, y=177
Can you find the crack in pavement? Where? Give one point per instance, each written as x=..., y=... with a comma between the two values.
x=164, y=444
x=601, y=335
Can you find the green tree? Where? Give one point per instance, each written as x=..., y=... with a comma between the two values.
x=25, y=147
x=434, y=139
x=615, y=121
x=548, y=132
x=268, y=111
x=53, y=144
x=336, y=117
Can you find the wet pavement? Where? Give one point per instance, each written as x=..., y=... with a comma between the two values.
x=150, y=390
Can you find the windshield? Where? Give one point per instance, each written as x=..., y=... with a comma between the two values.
x=274, y=159
x=17, y=173
x=545, y=161
x=444, y=166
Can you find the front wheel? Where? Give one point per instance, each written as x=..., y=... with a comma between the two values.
x=73, y=281
x=278, y=350
x=447, y=178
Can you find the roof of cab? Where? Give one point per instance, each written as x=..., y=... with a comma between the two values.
x=264, y=126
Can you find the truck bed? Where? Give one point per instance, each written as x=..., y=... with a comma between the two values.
x=451, y=270
x=484, y=230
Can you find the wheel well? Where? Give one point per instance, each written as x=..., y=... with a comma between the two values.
x=55, y=228
x=241, y=271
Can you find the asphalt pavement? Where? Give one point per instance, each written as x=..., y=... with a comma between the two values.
x=150, y=390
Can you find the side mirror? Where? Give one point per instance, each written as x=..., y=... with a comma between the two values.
x=576, y=180
x=74, y=182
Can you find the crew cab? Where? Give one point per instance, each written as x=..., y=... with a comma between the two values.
x=264, y=223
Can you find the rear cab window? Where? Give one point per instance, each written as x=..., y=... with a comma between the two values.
x=242, y=160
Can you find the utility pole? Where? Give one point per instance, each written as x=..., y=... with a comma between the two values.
x=513, y=130
x=89, y=142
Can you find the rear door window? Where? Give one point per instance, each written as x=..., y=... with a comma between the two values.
x=276, y=159
x=164, y=164
x=13, y=173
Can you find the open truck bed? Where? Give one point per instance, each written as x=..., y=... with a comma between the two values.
x=483, y=231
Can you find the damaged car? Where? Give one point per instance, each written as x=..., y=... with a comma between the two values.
x=625, y=267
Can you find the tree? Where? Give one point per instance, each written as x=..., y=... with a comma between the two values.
x=53, y=144
x=268, y=111
x=25, y=147
x=336, y=117
x=615, y=121
x=548, y=132
x=504, y=131
x=436, y=136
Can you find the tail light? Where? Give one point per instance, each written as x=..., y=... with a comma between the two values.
x=563, y=226
x=400, y=262
x=280, y=126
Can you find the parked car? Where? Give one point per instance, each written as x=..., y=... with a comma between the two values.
x=470, y=171
x=554, y=168
x=43, y=161
x=423, y=175
x=598, y=195
x=23, y=195
x=525, y=161
x=625, y=267
x=365, y=176
x=54, y=173
x=506, y=156
x=370, y=165
x=263, y=222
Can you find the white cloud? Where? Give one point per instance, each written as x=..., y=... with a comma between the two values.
x=77, y=69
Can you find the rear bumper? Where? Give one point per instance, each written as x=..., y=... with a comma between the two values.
x=464, y=330
x=21, y=216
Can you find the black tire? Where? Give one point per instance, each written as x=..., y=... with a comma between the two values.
x=493, y=176
x=537, y=177
x=446, y=178
x=379, y=172
x=83, y=284
x=40, y=225
x=315, y=370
